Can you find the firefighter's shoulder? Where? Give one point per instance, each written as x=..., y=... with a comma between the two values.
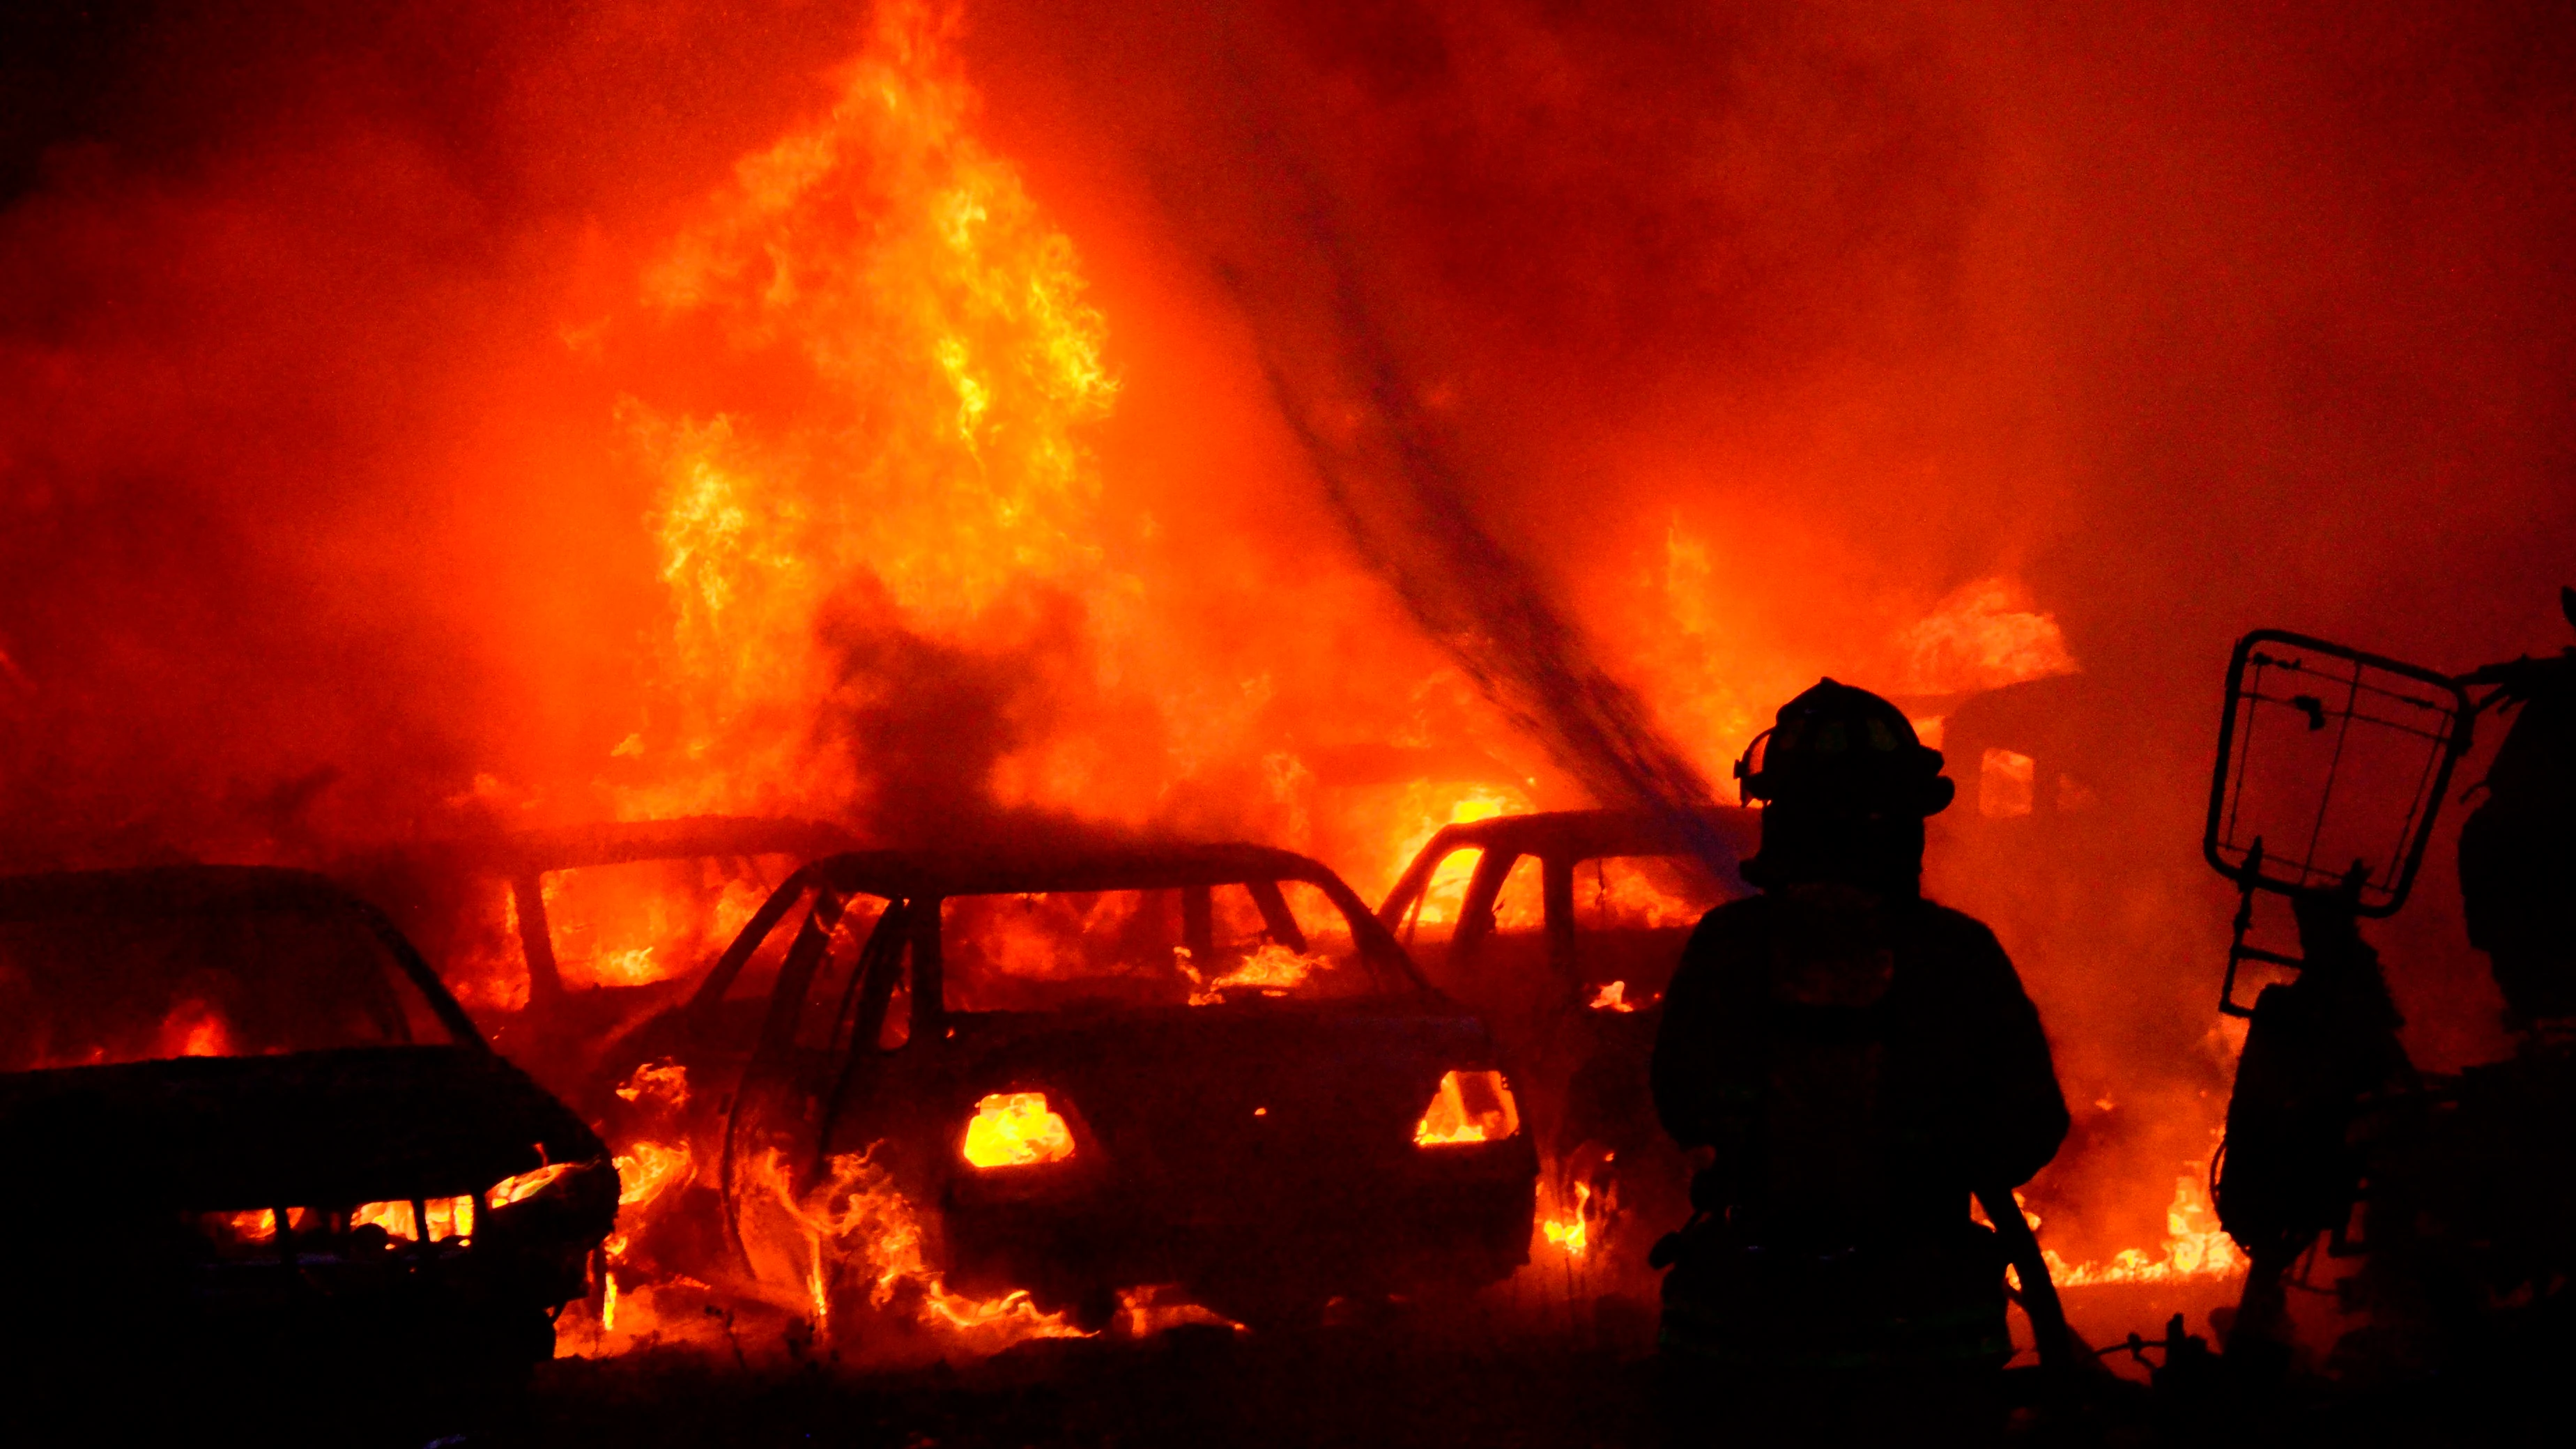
x=1947, y=935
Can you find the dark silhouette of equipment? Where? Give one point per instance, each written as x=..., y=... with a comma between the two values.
x=2332, y=768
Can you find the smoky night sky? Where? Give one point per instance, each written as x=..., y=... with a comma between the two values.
x=345, y=381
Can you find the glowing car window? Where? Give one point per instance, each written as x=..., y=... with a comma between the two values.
x=1132, y=948
x=1642, y=893
x=639, y=922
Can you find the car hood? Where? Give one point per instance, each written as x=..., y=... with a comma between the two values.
x=306, y=1129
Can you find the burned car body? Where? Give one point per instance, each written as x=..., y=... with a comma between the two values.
x=1197, y=1065
x=558, y=1023
x=265, y=1130
x=1563, y=927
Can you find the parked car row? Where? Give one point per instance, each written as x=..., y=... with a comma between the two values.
x=1088, y=1066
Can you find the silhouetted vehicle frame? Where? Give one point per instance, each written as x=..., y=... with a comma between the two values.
x=2463, y=1184
x=525, y=858
x=1562, y=841
x=1260, y=1150
x=1589, y=1067
x=376, y=1203
x=561, y=1026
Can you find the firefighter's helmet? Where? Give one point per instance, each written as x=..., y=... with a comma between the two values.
x=1847, y=751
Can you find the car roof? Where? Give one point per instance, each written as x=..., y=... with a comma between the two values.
x=515, y=853
x=1032, y=866
x=1586, y=834
x=1573, y=835
x=1022, y=869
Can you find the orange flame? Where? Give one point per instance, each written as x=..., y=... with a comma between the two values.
x=513, y=1189
x=2195, y=1247
x=942, y=313
x=449, y=1217
x=1270, y=968
x=857, y=1217
x=645, y=1170
x=1469, y=1107
x=1570, y=1233
x=665, y=1082
x=196, y=1029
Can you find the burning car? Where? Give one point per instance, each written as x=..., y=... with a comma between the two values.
x=1564, y=927
x=267, y=1134
x=1205, y=1066
x=605, y=922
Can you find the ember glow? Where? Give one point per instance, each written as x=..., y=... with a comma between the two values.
x=664, y=1083
x=195, y=1029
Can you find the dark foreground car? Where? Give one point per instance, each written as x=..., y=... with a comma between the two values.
x=251, y=1133
x=1204, y=1066
x=1564, y=927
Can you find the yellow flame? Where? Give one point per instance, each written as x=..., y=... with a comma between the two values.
x=1016, y=1129
x=940, y=458
x=449, y=1218
x=1570, y=1233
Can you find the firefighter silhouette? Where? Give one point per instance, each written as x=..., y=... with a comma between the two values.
x=1857, y=1060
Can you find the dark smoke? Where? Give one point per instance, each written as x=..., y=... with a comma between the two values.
x=924, y=722
x=1410, y=513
